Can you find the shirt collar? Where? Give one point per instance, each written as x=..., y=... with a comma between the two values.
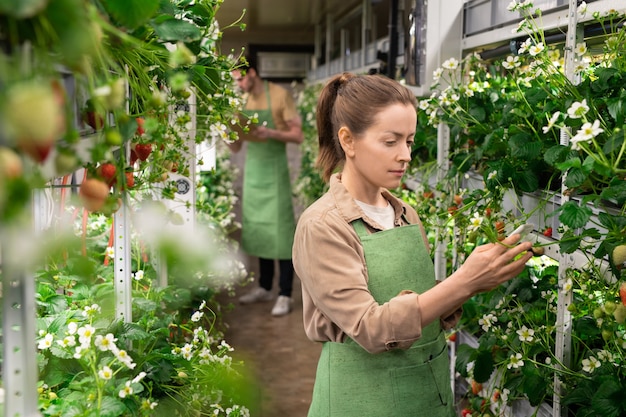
x=350, y=210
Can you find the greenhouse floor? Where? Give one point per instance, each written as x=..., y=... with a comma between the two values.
x=277, y=352
x=275, y=349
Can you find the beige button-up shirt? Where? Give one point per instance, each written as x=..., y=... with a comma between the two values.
x=329, y=260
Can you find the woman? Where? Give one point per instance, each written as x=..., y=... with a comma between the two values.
x=368, y=283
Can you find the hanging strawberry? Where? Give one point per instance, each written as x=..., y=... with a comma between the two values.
x=34, y=117
x=93, y=194
x=93, y=116
x=619, y=255
x=10, y=164
x=107, y=172
x=143, y=150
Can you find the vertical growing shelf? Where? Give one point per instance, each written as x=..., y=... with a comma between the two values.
x=580, y=228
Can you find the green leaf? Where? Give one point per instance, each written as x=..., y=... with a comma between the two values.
x=526, y=181
x=536, y=96
x=132, y=331
x=534, y=385
x=463, y=162
x=111, y=407
x=57, y=304
x=74, y=37
x=615, y=191
x=555, y=154
x=604, y=76
x=575, y=177
x=174, y=30
x=22, y=9
x=483, y=366
x=527, y=150
x=478, y=113
x=586, y=327
x=608, y=400
x=128, y=128
x=464, y=355
x=574, y=216
x=615, y=107
x=131, y=13
x=614, y=143
x=569, y=243
x=569, y=163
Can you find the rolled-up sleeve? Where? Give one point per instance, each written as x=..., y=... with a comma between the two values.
x=329, y=260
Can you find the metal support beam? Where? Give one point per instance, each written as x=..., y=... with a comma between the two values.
x=122, y=264
x=563, y=346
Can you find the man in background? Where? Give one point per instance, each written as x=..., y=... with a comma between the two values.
x=268, y=221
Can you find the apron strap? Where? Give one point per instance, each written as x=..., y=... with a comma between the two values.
x=361, y=230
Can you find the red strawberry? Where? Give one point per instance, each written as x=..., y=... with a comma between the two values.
x=93, y=119
x=488, y=212
x=133, y=157
x=476, y=387
x=622, y=293
x=452, y=337
x=465, y=412
x=548, y=232
x=140, y=130
x=93, y=194
x=143, y=150
x=500, y=226
x=37, y=151
x=496, y=395
x=107, y=172
x=130, y=179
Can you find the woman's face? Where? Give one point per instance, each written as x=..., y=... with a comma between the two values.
x=380, y=156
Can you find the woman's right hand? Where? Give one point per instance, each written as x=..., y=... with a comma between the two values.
x=493, y=264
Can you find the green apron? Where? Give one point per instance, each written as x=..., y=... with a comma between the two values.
x=268, y=222
x=351, y=382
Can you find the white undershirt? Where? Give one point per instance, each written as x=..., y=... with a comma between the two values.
x=384, y=216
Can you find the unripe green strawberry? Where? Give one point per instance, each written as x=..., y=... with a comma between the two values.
x=65, y=162
x=607, y=334
x=619, y=255
x=609, y=307
x=32, y=113
x=620, y=314
x=112, y=137
x=598, y=313
x=10, y=163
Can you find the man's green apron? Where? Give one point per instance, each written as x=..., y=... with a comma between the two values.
x=351, y=382
x=268, y=222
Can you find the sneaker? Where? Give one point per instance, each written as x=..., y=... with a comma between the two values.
x=258, y=294
x=282, y=306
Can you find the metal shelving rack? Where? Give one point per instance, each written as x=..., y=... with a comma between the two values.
x=19, y=370
x=497, y=33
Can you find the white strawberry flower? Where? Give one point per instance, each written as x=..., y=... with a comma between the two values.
x=85, y=333
x=46, y=342
x=105, y=373
x=126, y=390
x=105, y=343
